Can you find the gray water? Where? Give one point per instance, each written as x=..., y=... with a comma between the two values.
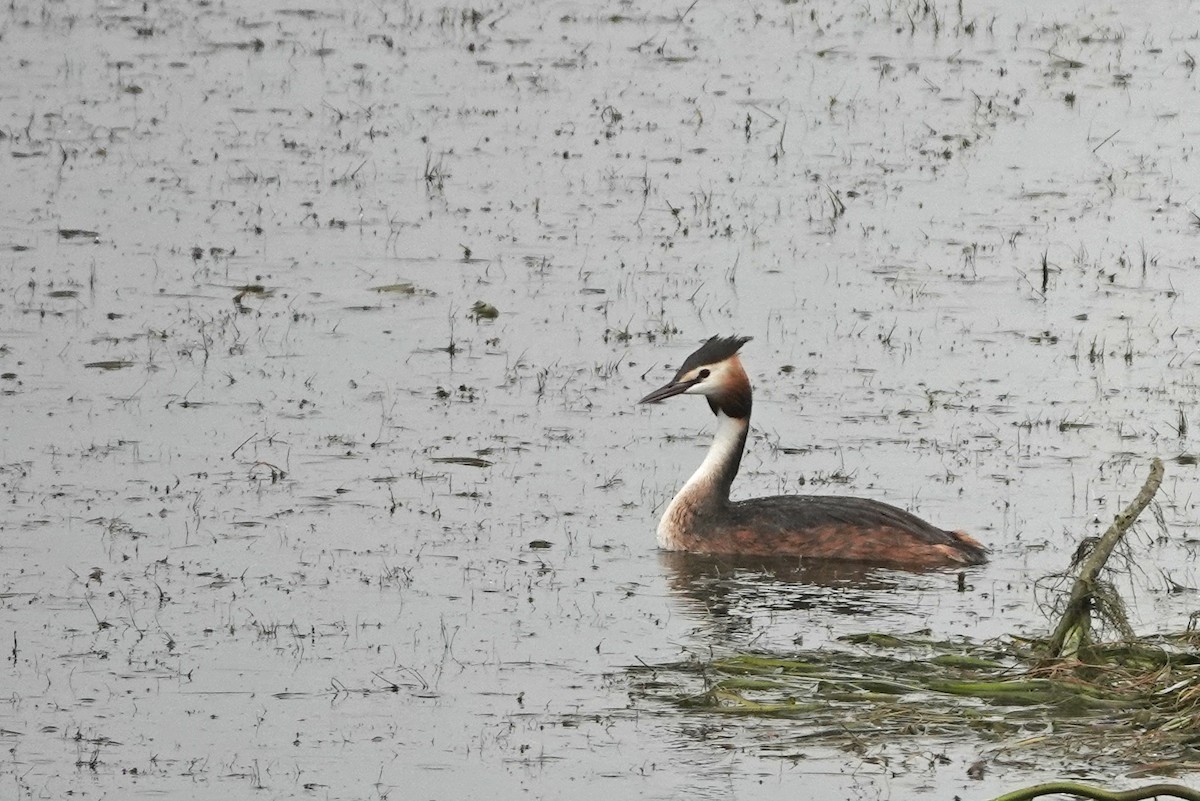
x=286, y=516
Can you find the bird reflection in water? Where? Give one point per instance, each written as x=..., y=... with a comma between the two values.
x=727, y=593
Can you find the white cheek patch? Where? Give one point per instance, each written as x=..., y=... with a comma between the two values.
x=707, y=386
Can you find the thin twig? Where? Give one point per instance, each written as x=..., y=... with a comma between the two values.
x=1106, y=139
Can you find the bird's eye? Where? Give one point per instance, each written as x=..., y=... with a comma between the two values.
x=705, y=373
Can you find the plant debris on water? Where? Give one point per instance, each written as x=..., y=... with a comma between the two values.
x=484, y=311
x=1136, y=702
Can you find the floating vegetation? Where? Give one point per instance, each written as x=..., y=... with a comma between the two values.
x=484, y=311
x=78, y=233
x=465, y=461
x=256, y=290
x=400, y=288
x=1136, y=701
x=110, y=364
x=406, y=288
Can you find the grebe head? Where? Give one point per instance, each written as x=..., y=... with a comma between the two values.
x=716, y=372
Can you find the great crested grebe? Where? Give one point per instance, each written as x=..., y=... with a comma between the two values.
x=702, y=519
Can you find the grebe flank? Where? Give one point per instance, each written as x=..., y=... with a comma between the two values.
x=702, y=519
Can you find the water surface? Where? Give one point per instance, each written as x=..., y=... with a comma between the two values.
x=288, y=513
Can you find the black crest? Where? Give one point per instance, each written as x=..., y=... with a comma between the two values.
x=716, y=349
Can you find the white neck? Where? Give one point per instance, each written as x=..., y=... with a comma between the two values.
x=710, y=483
